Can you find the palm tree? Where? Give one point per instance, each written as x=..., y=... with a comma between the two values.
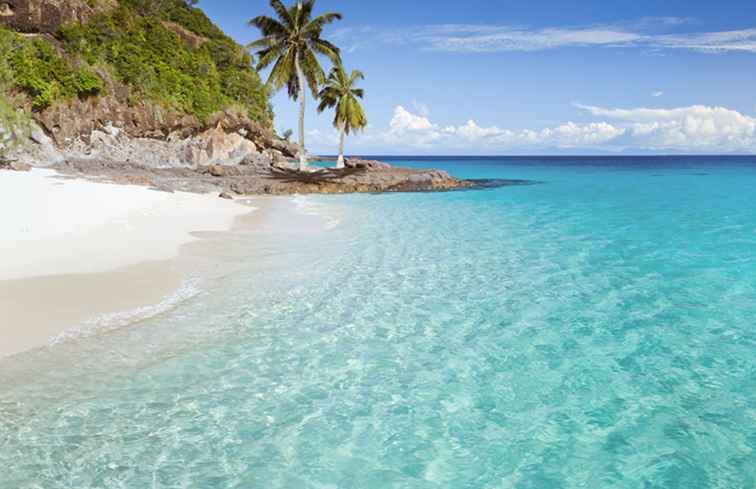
x=340, y=92
x=293, y=42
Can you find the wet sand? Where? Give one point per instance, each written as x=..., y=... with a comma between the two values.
x=73, y=251
x=37, y=312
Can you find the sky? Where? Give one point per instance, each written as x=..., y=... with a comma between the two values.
x=501, y=77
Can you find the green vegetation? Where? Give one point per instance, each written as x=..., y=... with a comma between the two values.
x=171, y=53
x=165, y=51
x=11, y=120
x=32, y=66
x=14, y=124
x=340, y=92
x=291, y=44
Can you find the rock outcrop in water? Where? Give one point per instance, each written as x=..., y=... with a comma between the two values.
x=255, y=176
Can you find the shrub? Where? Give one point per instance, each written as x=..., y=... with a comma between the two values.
x=156, y=63
x=34, y=67
x=13, y=123
x=135, y=46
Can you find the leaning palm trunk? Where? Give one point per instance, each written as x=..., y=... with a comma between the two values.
x=302, y=155
x=340, y=161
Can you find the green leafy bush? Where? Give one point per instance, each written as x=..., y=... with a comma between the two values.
x=13, y=123
x=139, y=44
x=143, y=52
x=34, y=67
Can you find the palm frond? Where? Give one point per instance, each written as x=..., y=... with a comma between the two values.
x=267, y=56
x=306, y=11
x=312, y=70
x=329, y=97
x=341, y=94
x=283, y=13
x=268, y=26
x=317, y=24
x=356, y=75
x=262, y=43
x=283, y=71
x=327, y=49
x=294, y=36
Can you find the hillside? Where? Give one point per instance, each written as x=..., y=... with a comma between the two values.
x=149, y=68
x=151, y=92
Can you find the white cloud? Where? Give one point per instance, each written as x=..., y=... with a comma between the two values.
x=481, y=38
x=740, y=40
x=657, y=94
x=409, y=130
x=694, y=129
x=462, y=38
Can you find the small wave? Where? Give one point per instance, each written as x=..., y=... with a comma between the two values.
x=112, y=321
x=307, y=207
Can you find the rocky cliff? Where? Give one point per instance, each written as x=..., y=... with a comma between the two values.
x=146, y=81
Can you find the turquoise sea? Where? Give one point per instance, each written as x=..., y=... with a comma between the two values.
x=596, y=329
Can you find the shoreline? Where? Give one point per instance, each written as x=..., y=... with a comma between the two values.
x=68, y=263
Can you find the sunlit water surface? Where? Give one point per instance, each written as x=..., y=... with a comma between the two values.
x=597, y=330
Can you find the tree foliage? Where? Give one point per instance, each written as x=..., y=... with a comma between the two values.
x=32, y=66
x=341, y=94
x=294, y=37
x=143, y=52
x=143, y=44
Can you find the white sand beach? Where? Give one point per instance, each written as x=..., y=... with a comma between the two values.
x=74, y=249
x=57, y=226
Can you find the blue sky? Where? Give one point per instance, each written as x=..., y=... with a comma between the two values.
x=537, y=77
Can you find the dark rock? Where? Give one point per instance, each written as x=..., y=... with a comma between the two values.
x=366, y=164
x=226, y=195
x=48, y=15
x=274, y=180
x=258, y=161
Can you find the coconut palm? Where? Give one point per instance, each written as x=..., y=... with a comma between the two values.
x=340, y=92
x=291, y=43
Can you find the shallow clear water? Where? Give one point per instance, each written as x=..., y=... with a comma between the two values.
x=595, y=330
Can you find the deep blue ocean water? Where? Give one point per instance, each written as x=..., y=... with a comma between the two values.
x=594, y=330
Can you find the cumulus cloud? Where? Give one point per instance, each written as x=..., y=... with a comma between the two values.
x=657, y=94
x=694, y=129
x=481, y=38
x=410, y=130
